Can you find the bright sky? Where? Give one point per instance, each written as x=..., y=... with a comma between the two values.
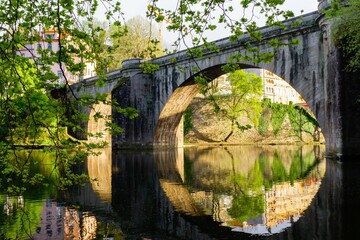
x=132, y=8
x=138, y=7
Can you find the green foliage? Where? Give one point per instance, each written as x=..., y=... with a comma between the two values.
x=149, y=68
x=243, y=98
x=346, y=31
x=246, y=92
x=264, y=117
x=138, y=38
x=193, y=20
x=277, y=117
x=188, y=114
x=278, y=169
x=263, y=125
x=301, y=120
x=35, y=108
x=296, y=168
x=23, y=224
x=248, y=201
x=204, y=84
x=245, y=207
x=28, y=169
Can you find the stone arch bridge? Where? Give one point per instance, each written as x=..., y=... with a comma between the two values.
x=312, y=67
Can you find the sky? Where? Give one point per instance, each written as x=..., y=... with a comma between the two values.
x=132, y=8
x=138, y=7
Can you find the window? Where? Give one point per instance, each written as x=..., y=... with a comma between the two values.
x=39, y=46
x=50, y=46
x=29, y=46
x=59, y=73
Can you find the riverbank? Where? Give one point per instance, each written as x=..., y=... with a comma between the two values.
x=207, y=127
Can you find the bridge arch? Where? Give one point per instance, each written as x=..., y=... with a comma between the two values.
x=97, y=127
x=169, y=129
x=300, y=65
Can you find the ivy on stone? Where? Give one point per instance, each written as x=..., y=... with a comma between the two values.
x=346, y=31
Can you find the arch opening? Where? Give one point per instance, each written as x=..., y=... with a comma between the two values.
x=170, y=130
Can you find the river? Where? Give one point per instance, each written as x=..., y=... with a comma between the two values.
x=226, y=192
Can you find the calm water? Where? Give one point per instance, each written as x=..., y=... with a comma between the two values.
x=242, y=192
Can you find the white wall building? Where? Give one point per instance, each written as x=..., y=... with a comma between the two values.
x=278, y=90
x=275, y=88
x=31, y=51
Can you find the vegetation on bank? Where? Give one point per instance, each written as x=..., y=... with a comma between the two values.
x=345, y=31
x=237, y=106
x=242, y=98
x=302, y=121
x=277, y=123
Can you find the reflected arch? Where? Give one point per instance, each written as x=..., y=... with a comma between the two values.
x=205, y=189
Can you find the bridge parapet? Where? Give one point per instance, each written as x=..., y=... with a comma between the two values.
x=307, y=24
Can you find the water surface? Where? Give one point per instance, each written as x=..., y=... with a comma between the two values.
x=247, y=192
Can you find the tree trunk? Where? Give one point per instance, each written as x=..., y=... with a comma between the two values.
x=229, y=135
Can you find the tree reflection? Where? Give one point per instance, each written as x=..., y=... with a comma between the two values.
x=265, y=186
x=19, y=220
x=248, y=197
x=43, y=210
x=278, y=170
x=21, y=216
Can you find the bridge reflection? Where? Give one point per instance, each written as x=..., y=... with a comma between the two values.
x=157, y=193
x=191, y=194
x=214, y=189
x=199, y=194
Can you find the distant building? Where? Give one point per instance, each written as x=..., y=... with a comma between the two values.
x=60, y=222
x=50, y=40
x=275, y=88
x=285, y=203
x=52, y=221
x=278, y=90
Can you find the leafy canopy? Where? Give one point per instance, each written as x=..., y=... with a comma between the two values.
x=193, y=20
x=138, y=38
x=346, y=31
x=27, y=81
x=242, y=99
x=35, y=38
